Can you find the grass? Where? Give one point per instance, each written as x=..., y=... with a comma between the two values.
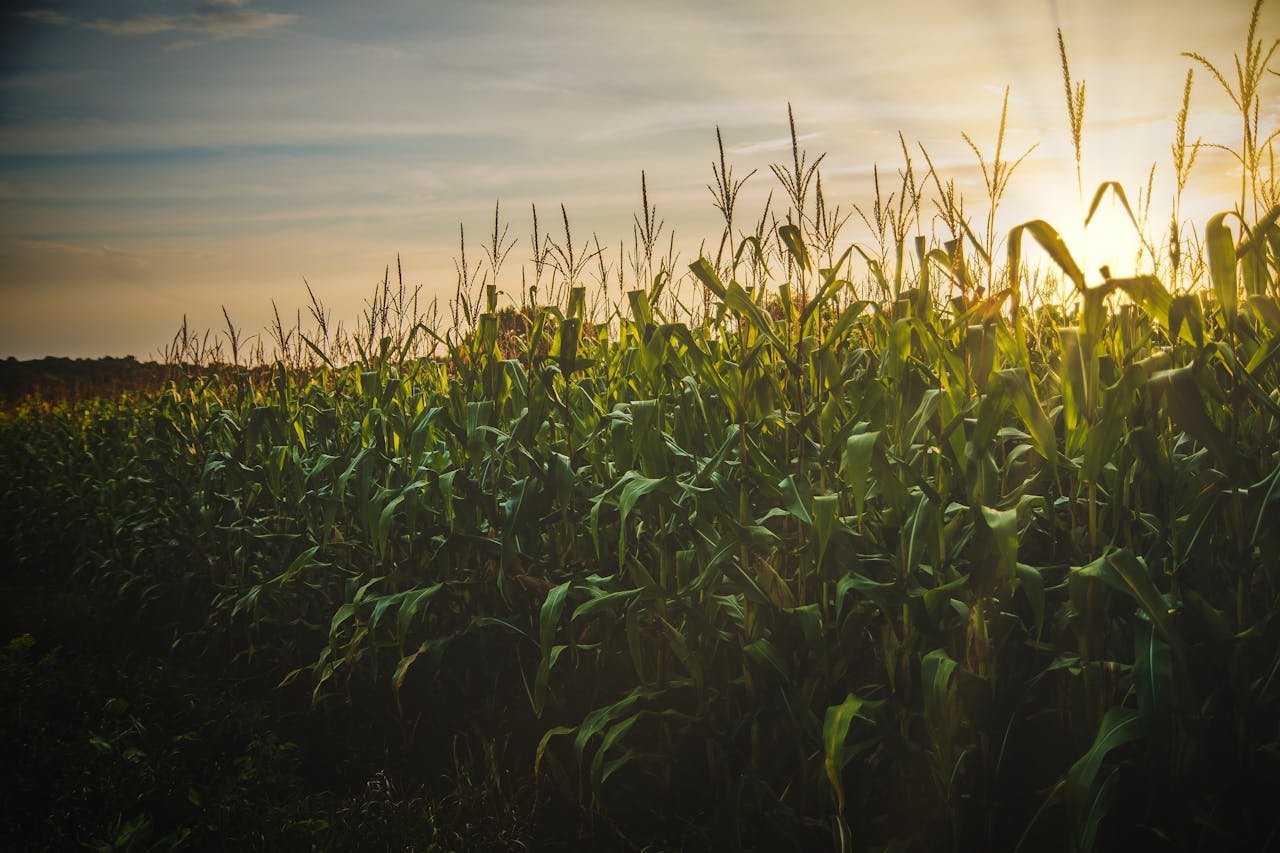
x=768, y=554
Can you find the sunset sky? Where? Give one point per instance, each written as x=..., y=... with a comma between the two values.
x=164, y=157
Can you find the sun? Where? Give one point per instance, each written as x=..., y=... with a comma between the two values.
x=1111, y=240
x=1109, y=245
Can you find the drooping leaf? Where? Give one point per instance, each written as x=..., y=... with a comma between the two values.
x=1124, y=572
x=796, y=498
x=1184, y=401
x=794, y=241
x=1003, y=525
x=1119, y=726
x=1052, y=243
x=835, y=735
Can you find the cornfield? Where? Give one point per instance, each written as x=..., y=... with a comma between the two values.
x=886, y=549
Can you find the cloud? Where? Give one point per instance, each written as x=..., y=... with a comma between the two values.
x=143, y=26
x=215, y=19
x=780, y=143
x=45, y=16
x=107, y=261
x=33, y=79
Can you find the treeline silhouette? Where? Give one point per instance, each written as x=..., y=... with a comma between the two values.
x=58, y=378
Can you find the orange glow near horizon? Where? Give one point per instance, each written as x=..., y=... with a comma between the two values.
x=162, y=167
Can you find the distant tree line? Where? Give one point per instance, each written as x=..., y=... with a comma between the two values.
x=56, y=378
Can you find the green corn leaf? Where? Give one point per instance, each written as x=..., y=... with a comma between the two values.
x=608, y=603
x=543, y=743
x=1119, y=726
x=248, y=602
x=897, y=349
x=715, y=463
x=409, y=608
x=980, y=353
x=567, y=356
x=749, y=242
x=1031, y=582
x=796, y=498
x=786, y=301
x=809, y=618
x=1079, y=367
x=1263, y=354
x=830, y=286
x=876, y=591
x=599, y=719
x=916, y=430
x=1101, y=797
x=1015, y=386
x=1106, y=434
x=1093, y=311
x=825, y=521
x=936, y=597
x=487, y=334
x=381, y=605
x=1184, y=400
x=1266, y=227
x=385, y=521
x=835, y=734
x=737, y=299
x=1149, y=293
x=340, y=616
x=577, y=302
x=1118, y=190
x=602, y=770
x=402, y=669
x=877, y=271
x=1267, y=309
x=1003, y=525
x=1186, y=320
x=1252, y=253
x=548, y=622
x=1124, y=572
x=766, y=655
x=1153, y=682
x=919, y=530
x=1221, y=249
x=320, y=353
x=936, y=669
x=794, y=242
x=705, y=273
x=637, y=487
x=641, y=313
x=1052, y=243
x=847, y=318
x=677, y=643
x=300, y=564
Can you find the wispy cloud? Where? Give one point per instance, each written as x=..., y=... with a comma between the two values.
x=214, y=19
x=45, y=16
x=778, y=144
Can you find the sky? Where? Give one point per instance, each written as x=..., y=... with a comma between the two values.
x=168, y=158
